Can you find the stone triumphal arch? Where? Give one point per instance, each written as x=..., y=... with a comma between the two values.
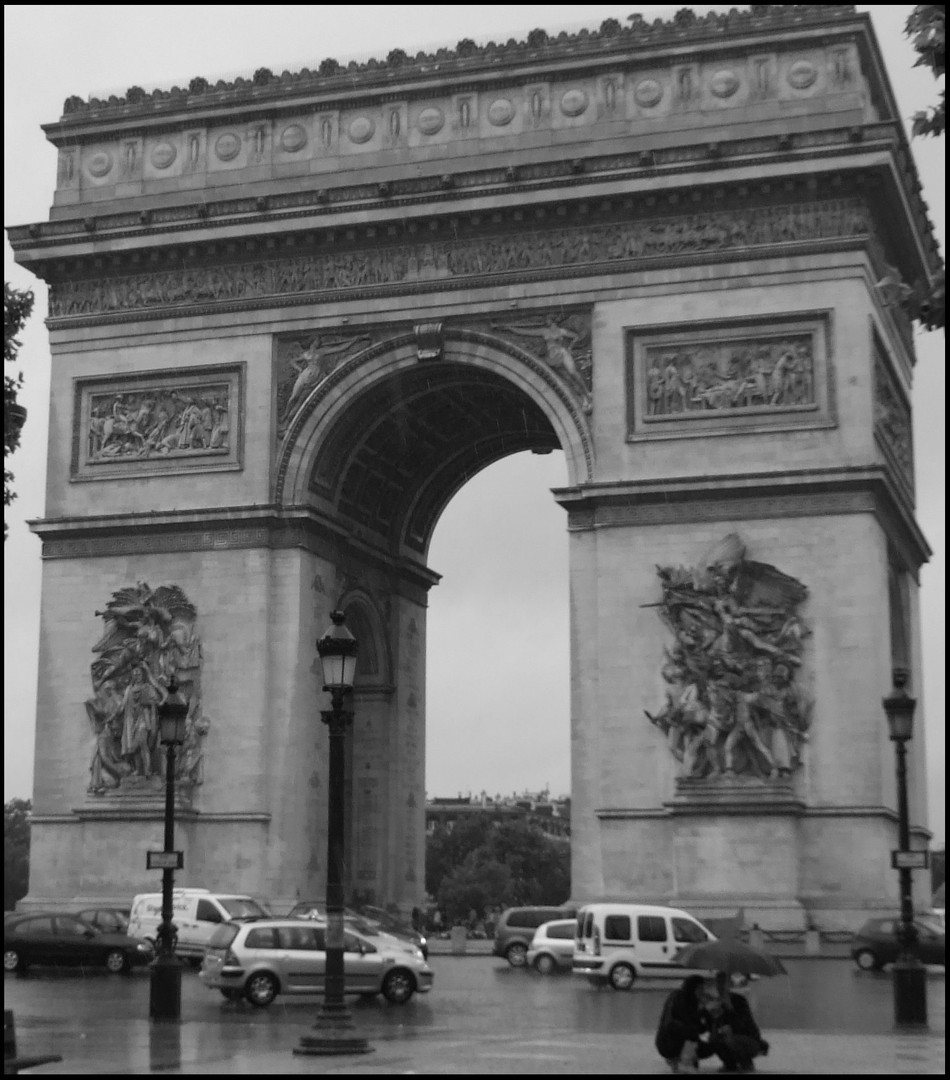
x=291, y=316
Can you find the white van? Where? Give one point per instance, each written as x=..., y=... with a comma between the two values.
x=618, y=942
x=196, y=913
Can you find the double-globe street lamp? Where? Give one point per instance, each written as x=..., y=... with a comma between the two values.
x=334, y=1031
x=165, y=987
x=910, y=975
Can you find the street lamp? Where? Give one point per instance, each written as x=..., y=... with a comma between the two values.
x=165, y=988
x=910, y=976
x=334, y=1031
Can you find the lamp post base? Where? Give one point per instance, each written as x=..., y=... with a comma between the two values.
x=910, y=993
x=333, y=1033
x=165, y=989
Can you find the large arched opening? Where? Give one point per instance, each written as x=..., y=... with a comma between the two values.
x=377, y=452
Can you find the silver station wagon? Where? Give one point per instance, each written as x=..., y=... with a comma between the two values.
x=259, y=960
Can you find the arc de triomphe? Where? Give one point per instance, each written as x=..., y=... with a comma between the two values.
x=291, y=316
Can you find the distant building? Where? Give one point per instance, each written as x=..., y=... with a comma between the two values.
x=553, y=816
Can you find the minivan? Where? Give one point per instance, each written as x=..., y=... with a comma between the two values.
x=196, y=913
x=516, y=927
x=617, y=942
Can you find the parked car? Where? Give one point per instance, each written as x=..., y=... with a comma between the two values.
x=259, y=960
x=617, y=942
x=110, y=920
x=552, y=947
x=197, y=913
x=365, y=923
x=57, y=939
x=516, y=927
x=393, y=924
x=876, y=944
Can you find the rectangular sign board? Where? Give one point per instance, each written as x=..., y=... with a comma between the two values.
x=910, y=860
x=165, y=860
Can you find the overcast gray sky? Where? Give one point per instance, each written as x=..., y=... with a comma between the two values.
x=502, y=544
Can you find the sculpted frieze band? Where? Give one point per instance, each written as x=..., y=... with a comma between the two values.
x=520, y=253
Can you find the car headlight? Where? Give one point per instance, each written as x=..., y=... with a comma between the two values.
x=143, y=948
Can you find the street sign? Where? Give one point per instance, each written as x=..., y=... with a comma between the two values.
x=165, y=860
x=910, y=860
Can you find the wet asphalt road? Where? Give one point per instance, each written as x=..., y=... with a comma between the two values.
x=87, y=1014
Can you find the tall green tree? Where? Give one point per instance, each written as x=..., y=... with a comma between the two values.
x=926, y=27
x=16, y=851
x=17, y=307
x=481, y=863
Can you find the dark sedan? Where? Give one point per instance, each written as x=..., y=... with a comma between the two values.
x=876, y=944
x=109, y=920
x=56, y=939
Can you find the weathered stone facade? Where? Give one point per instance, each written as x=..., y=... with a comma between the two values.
x=290, y=317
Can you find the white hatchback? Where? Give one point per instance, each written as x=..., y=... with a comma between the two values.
x=552, y=947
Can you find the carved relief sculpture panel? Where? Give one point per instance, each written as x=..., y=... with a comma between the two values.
x=166, y=422
x=892, y=420
x=723, y=378
x=302, y=363
x=735, y=706
x=149, y=636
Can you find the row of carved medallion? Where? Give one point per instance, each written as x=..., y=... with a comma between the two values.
x=331, y=132
x=684, y=26
x=514, y=253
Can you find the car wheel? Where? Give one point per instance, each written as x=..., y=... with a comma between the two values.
x=232, y=995
x=261, y=989
x=867, y=960
x=544, y=964
x=622, y=977
x=116, y=961
x=398, y=986
x=517, y=954
x=12, y=961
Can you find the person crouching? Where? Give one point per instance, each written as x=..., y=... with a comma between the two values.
x=734, y=1036
x=682, y=1037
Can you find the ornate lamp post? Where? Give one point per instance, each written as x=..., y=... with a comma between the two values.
x=165, y=988
x=910, y=976
x=334, y=1031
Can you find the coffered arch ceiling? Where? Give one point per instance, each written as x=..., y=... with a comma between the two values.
x=403, y=447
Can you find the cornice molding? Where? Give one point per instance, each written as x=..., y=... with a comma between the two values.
x=319, y=206
x=804, y=493
x=219, y=529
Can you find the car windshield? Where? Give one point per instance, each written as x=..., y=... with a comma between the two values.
x=239, y=908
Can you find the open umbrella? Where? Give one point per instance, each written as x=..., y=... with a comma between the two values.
x=732, y=957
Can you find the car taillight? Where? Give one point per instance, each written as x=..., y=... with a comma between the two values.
x=596, y=949
x=230, y=959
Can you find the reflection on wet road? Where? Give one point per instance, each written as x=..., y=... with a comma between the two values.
x=482, y=1014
